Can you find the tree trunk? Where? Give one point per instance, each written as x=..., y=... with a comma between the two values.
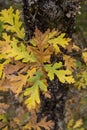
x=59, y=14
x=44, y=14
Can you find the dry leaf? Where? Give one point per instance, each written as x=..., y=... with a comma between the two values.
x=45, y=124
x=3, y=108
x=76, y=48
x=70, y=62
x=69, y=47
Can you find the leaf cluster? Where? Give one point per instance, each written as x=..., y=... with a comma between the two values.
x=25, y=67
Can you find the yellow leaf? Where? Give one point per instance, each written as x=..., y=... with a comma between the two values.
x=12, y=49
x=78, y=124
x=7, y=15
x=81, y=80
x=53, y=33
x=84, y=56
x=6, y=128
x=59, y=41
x=33, y=99
x=3, y=118
x=12, y=22
x=34, y=91
x=2, y=67
x=63, y=75
x=70, y=124
x=32, y=72
x=6, y=37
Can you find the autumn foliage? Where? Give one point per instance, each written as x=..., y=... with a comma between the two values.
x=25, y=67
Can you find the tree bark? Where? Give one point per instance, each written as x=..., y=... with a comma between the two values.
x=44, y=14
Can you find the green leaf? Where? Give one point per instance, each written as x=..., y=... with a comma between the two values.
x=52, y=69
x=34, y=91
x=63, y=75
x=78, y=64
x=25, y=117
x=3, y=117
x=1, y=28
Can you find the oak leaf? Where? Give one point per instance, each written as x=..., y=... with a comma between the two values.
x=59, y=41
x=17, y=76
x=47, y=125
x=34, y=92
x=16, y=66
x=17, y=83
x=13, y=49
x=12, y=22
x=41, y=49
x=63, y=75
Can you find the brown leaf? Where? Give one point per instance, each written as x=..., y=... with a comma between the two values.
x=76, y=48
x=45, y=124
x=41, y=49
x=16, y=66
x=69, y=47
x=70, y=62
x=37, y=126
x=17, y=83
x=16, y=75
x=4, y=85
x=47, y=94
x=3, y=108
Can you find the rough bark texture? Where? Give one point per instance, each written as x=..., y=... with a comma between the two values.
x=44, y=14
